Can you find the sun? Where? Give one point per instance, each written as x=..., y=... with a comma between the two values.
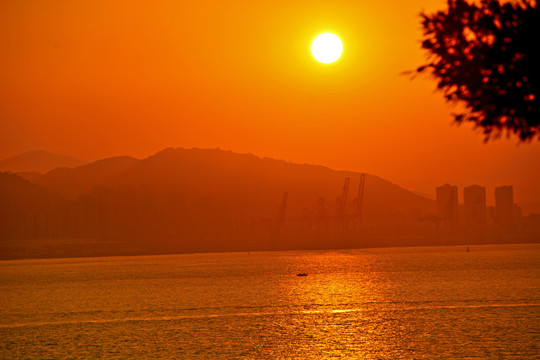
x=326, y=48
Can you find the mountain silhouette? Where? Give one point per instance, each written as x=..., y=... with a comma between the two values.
x=200, y=200
x=243, y=183
x=38, y=161
x=20, y=195
x=27, y=212
x=71, y=183
x=204, y=200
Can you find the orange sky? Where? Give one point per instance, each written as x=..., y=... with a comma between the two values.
x=99, y=78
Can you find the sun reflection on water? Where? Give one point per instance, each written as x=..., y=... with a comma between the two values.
x=339, y=316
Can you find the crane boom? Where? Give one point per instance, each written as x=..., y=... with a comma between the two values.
x=342, y=201
x=345, y=192
x=360, y=196
x=283, y=207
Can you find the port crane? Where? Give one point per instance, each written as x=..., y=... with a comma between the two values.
x=360, y=198
x=283, y=207
x=342, y=201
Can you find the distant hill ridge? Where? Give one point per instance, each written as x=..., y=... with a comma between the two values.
x=200, y=200
x=18, y=194
x=38, y=161
x=73, y=182
x=242, y=181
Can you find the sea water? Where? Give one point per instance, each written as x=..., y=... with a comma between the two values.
x=393, y=303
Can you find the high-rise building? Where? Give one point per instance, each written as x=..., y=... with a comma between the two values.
x=474, y=202
x=504, y=205
x=447, y=205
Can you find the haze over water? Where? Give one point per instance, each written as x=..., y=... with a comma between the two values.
x=394, y=303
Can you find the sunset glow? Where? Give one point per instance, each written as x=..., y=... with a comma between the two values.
x=269, y=180
x=241, y=77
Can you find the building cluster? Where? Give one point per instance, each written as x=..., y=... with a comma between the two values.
x=474, y=212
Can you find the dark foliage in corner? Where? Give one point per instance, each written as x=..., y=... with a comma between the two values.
x=483, y=54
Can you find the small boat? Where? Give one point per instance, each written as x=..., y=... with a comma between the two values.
x=301, y=274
